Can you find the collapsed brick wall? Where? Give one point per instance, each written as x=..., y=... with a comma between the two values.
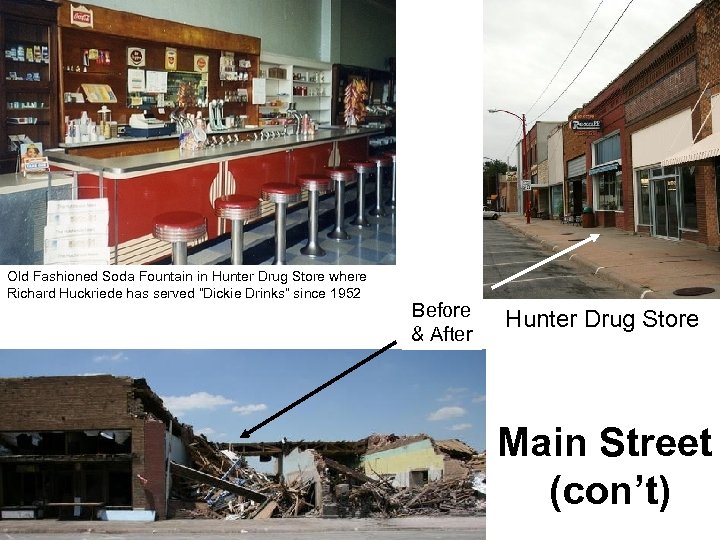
x=454, y=469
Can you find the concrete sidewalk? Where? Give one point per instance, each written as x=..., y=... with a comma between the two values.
x=218, y=526
x=650, y=267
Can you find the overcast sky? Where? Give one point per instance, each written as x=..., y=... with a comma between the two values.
x=223, y=392
x=526, y=41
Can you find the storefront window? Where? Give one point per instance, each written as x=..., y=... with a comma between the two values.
x=688, y=199
x=643, y=190
x=556, y=200
x=675, y=195
x=607, y=149
x=609, y=191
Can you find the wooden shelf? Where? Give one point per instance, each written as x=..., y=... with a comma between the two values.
x=117, y=74
x=109, y=35
x=29, y=23
x=39, y=123
x=27, y=86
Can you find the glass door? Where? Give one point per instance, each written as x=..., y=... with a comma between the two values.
x=665, y=207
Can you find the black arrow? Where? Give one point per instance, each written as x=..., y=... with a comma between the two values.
x=246, y=433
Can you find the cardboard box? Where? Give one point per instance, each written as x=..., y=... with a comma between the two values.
x=277, y=73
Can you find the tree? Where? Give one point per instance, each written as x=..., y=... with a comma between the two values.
x=492, y=168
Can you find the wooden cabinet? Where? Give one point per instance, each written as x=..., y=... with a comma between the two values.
x=201, y=65
x=28, y=94
x=76, y=43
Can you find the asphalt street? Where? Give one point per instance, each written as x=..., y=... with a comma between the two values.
x=507, y=252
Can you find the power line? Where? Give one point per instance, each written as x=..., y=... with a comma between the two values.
x=515, y=135
x=566, y=58
x=589, y=59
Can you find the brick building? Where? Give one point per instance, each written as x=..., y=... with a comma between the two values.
x=537, y=159
x=605, y=155
x=574, y=167
x=651, y=168
x=90, y=439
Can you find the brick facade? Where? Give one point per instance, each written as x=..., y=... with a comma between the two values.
x=708, y=45
x=673, y=86
x=608, y=107
x=56, y=403
x=104, y=402
x=154, y=467
x=575, y=143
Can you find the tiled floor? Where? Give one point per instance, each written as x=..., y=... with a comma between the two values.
x=371, y=245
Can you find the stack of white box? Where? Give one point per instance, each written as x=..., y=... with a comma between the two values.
x=77, y=232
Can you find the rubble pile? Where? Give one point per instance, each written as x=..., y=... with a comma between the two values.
x=220, y=485
x=452, y=497
x=196, y=498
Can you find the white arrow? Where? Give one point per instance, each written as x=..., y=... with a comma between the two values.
x=591, y=238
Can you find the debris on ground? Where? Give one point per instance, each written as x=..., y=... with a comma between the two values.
x=220, y=485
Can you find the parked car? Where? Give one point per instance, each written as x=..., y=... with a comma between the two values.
x=489, y=214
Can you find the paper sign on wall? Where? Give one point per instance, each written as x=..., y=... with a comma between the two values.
x=258, y=86
x=136, y=80
x=156, y=82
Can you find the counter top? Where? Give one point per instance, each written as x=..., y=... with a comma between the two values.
x=16, y=182
x=129, y=166
x=124, y=139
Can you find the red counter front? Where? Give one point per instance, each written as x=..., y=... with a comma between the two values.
x=137, y=197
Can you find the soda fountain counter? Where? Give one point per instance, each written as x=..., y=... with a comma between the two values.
x=140, y=187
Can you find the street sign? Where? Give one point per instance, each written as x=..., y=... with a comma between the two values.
x=525, y=185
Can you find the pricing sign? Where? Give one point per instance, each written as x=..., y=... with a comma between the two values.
x=525, y=185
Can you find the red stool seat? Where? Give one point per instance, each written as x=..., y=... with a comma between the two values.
x=315, y=182
x=181, y=226
x=340, y=174
x=362, y=166
x=280, y=192
x=237, y=207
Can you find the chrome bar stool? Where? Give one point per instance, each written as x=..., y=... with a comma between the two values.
x=362, y=168
x=380, y=162
x=238, y=209
x=339, y=175
x=179, y=228
x=316, y=185
x=391, y=154
x=281, y=194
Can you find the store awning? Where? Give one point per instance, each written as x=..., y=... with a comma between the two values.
x=707, y=148
x=605, y=168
